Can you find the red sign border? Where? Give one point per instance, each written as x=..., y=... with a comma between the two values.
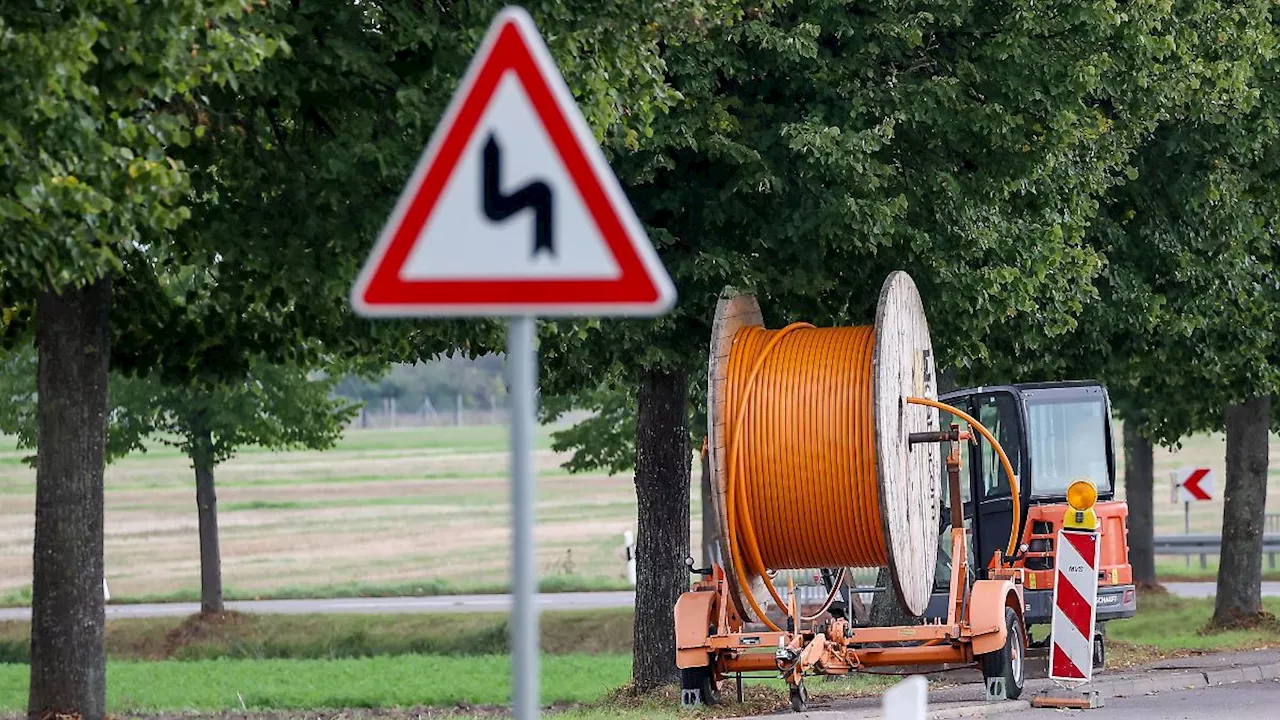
x=643, y=286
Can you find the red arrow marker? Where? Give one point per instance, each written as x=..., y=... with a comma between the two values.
x=1192, y=484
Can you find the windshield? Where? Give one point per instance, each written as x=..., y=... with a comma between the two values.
x=1068, y=441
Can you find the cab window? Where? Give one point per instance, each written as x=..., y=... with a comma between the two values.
x=998, y=413
x=1068, y=441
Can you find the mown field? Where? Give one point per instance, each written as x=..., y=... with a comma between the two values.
x=417, y=511
x=404, y=511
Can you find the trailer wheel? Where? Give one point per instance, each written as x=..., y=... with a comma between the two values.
x=698, y=687
x=1099, y=651
x=1009, y=662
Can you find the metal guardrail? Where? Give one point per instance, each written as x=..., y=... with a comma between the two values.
x=1205, y=545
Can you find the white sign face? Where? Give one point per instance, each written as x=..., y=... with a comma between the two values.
x=1194, y=484
x=521, y=157
x=513, y=209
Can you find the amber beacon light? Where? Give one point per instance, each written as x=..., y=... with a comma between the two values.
x=1081, y=496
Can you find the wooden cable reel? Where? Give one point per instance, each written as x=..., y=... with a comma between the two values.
x=808, y=430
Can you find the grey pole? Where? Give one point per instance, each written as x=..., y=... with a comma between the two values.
x=524, y=616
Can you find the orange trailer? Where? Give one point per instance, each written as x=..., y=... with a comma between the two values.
x=823, y=452
x=983, y=625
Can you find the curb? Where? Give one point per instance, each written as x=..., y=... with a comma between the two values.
x=1190, y=680
x=1126, y=688
x=980, y=711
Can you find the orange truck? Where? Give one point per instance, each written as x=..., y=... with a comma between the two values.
x=1053, y=433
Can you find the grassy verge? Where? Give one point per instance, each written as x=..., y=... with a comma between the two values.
x=587, y=684
x=351, y=683
x=1175, y=625
x=320, y=637
x=442, y=661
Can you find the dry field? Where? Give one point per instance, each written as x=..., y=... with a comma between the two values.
x=390, y=507
x=386, y=507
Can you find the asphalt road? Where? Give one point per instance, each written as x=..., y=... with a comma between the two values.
x=458, y=603
x=1245, y=701
x=396, y=605
x=1208, y=589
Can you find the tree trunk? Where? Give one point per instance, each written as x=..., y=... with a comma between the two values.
x=207, y=510
x=68, y=659
x=886, y=610
x=663, y=459
x=1139, y=484
x=1244, y=498
x=709, y=524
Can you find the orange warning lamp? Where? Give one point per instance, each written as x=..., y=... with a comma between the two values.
x=1081, y=496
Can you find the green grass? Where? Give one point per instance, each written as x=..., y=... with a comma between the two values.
x=356, y=683
x=404, y=682
x=1179, y=571
x=20, y=597
x=1169, y=623
x=312, y=637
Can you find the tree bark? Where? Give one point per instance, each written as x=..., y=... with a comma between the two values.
x=68, y=658
x=663, y=459
x=886, y=609
x=1244, y=497
x=207, y=510
x=1139, y=491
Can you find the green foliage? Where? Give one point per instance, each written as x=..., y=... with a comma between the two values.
x=817, y=147
x=606, y=439
x=274, y=407
x=1183, y=323
x=302, y=161
x=130, y=418
x=95, y=98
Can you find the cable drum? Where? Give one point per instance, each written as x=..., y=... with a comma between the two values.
x=810, y=455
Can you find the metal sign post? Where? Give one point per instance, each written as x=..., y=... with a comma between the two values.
x=524, y=616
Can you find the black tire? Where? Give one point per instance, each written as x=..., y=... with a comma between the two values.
x=1099, y=653
x=703, y=680
x=1009, y=662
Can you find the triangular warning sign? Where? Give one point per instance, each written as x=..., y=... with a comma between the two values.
x=512, y=209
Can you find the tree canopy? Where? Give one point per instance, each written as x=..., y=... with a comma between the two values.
x=815, y=148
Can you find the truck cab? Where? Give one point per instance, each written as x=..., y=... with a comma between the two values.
x=1053, y=433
